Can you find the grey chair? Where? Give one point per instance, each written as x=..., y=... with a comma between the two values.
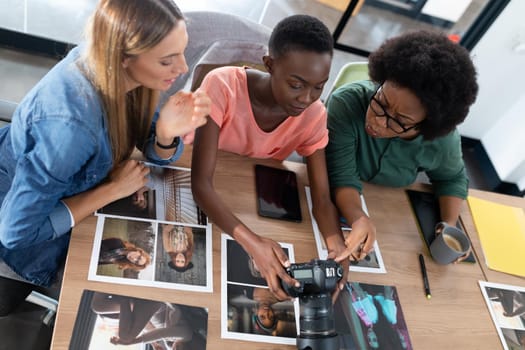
x=219, y=39
x=7, y=109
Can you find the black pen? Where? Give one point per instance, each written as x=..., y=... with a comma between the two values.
x=425, y=277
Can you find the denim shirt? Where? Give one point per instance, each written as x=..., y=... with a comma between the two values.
x=56, y=146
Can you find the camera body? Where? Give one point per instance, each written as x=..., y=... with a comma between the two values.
x=318, y=279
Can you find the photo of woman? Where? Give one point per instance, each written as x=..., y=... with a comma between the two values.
x=255, y=310
x=181, y=255
x=177, y=241
x=126, y=249
x=123, y=253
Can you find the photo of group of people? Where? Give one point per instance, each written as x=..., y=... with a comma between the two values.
x=116, y=321
x=506, y=304
x=372, y=263
x=369, y=316
x=156, y=237
x=249, y=310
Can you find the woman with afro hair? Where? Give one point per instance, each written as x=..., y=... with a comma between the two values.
x=401, y=122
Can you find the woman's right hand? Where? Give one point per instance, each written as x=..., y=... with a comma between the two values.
x=271, y=261
x=139, y=198
x=360, y=241
x=127, y=178
x=183, y=113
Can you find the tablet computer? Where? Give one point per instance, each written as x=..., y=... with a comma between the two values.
x=277, y=193
x=425, y=206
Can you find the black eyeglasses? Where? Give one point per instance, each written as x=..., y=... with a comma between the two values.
x=391, y=122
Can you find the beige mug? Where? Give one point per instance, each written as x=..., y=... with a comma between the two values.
x=449, y=244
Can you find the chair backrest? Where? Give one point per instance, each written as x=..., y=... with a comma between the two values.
x=218, y=39
x=352, y=71
x=7, y=109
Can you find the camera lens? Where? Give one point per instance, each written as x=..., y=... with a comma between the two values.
x=318, y=279
x=316, y=316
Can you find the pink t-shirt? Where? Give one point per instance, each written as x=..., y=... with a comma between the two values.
x=239, y=132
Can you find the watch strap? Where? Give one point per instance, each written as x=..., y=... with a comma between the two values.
x=174, y=144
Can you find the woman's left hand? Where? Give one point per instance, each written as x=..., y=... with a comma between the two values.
x=464, y=256
x=183, y=113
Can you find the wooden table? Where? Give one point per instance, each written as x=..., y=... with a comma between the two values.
x=456, y=316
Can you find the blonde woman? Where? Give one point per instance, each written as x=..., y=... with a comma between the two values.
x=66, y=153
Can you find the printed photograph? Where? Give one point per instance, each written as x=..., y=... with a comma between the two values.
x=369, y=316
x=140, y=252
x=249, y=311
x=254, y=310
x=372, y=263
x=506, y=304
x=181, y=254
x=127, y=249
x=513, y=339
x=244, y=270
x=166, y=197
x=109, y=321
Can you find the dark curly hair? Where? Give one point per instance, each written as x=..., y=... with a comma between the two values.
x=300, y=32
x=439, y=72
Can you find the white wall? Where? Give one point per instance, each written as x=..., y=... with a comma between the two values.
x=498, y=116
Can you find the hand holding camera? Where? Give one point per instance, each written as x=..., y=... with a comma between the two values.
x=318, y=279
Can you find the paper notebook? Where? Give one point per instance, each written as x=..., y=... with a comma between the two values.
x=426, y=209
x=501, y=230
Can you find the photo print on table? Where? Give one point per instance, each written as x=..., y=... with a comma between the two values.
x=369, y=316
x=249, y=311
x=506, y=304
x=107, y=321
x=372, y=263
x=155, y=254
x=166, y=197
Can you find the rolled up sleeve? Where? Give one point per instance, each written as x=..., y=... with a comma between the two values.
x=32, y=211
x=342, y=146
x=150, y=153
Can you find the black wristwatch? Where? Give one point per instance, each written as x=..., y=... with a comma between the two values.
x=174, y=144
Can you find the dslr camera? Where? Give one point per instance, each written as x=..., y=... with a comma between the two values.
x=318, y=279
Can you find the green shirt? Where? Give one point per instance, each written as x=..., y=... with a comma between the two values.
x=353, y=156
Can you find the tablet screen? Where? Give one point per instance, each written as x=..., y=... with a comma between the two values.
x=277, y=194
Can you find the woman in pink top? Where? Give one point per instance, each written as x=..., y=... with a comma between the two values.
x=270, y=115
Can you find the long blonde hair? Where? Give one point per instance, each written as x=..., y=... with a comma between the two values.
x=117, y=30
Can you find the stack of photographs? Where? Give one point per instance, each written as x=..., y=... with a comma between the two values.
x=250, y=312
x=156, y=237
